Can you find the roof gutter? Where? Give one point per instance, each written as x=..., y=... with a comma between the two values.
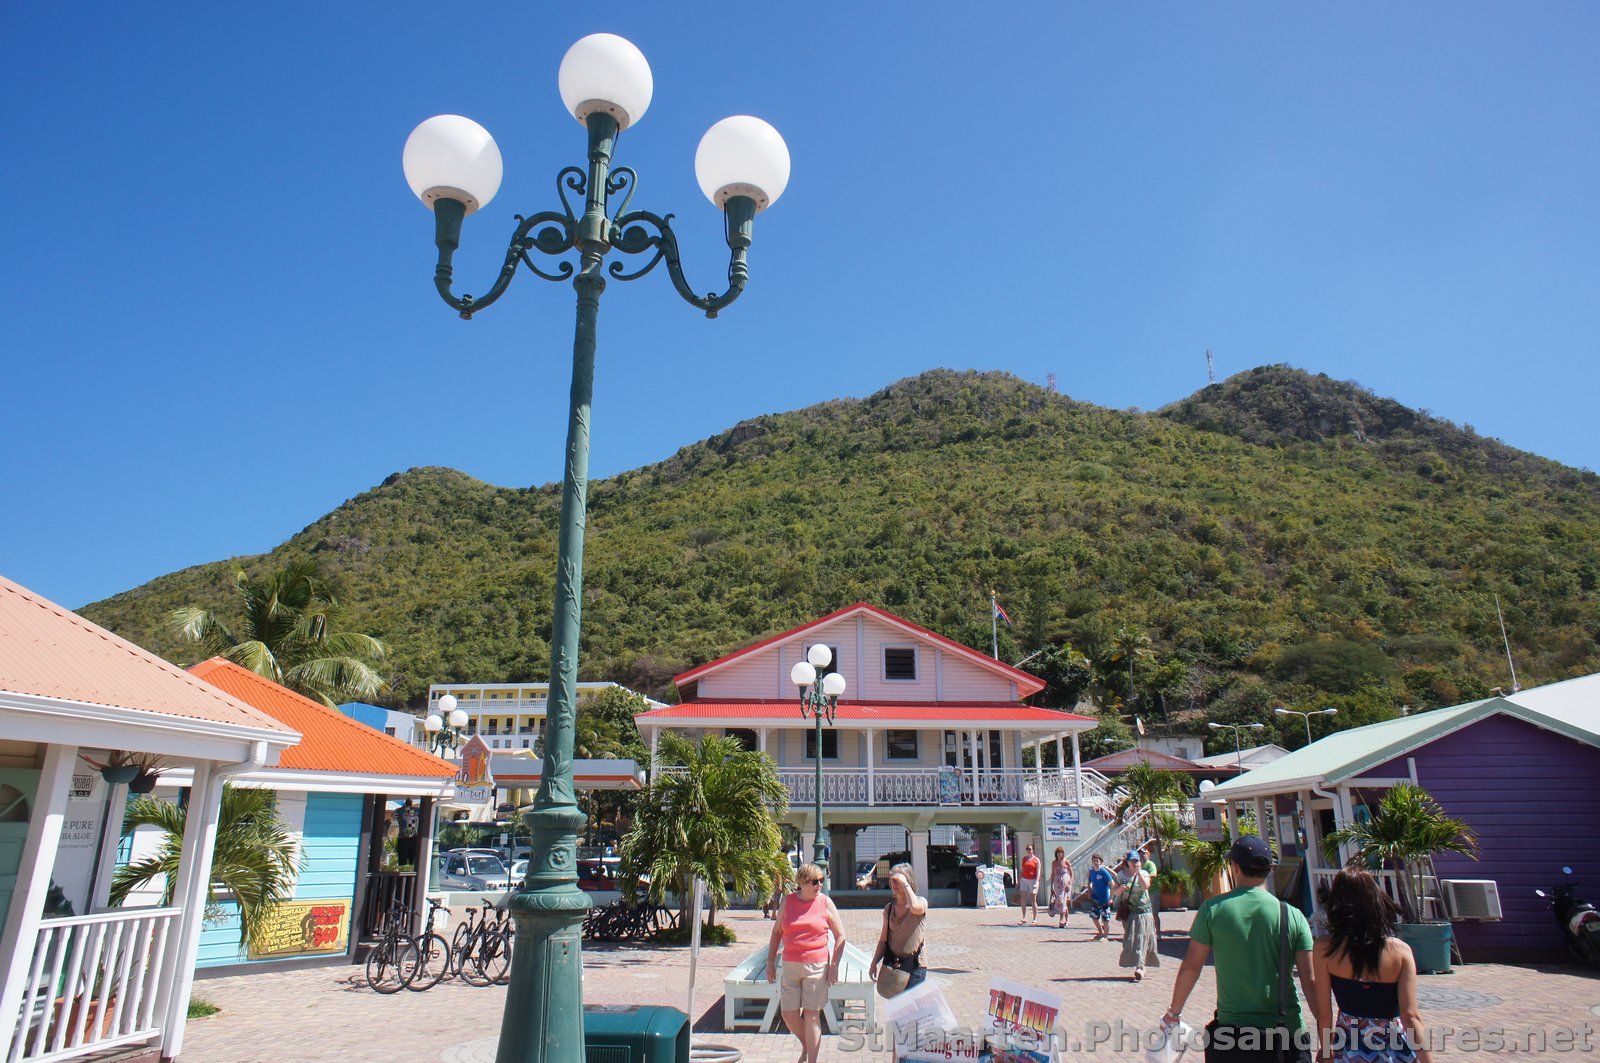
x=256, y=760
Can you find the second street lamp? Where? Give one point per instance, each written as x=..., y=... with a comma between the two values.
x=1306, y=716
x=818, y=699
x=445, y=726
x=454, y=167
x=1238, y=758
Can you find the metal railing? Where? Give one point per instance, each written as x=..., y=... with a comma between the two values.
x=944, y=786
x=94, y=982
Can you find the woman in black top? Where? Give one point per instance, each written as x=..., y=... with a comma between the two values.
x=1370, y=974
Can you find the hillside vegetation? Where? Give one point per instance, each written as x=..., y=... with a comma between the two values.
x=1281, y=538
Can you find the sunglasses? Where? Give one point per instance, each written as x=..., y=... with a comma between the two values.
x=810, y=882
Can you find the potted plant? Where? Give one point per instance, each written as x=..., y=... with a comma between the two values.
x=118, y=767
x=150, y=768
x=1404, y=833
x=1173, y=886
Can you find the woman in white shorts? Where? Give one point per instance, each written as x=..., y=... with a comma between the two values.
x=805, y=921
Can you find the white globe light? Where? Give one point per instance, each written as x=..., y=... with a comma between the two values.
x=1206, y=786
x=458, y=719
x=833, y=684
x=432, y=723
x=742, y=156
x=451, y=157
x=802, y=675
x=447, y=704
x=604, y=72
x=819, y=655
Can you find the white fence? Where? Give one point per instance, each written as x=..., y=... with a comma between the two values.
x=93, y=983
x=932, y=786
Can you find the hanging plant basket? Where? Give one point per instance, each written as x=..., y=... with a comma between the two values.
x=119, y=773
x=143, y=783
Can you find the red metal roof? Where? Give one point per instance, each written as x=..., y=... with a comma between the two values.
x=1026, y=683
x=52, y=652
x=943, y=712
x=332, y=741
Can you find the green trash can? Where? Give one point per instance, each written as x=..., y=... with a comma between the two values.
x=635, y=1033
x=1430, y=943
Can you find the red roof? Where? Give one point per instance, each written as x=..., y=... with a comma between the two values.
x=1026, y=683
x=332, y=741
x=51, y=652
x=1124, y=759
x=944, y=712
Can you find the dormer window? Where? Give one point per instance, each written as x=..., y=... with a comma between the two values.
x=900, y=664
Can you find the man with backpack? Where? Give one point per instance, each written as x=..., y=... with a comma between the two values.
x=1256, y=939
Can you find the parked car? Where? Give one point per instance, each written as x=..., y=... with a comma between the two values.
x=864, y=874
x=474, y=870
x=597, y=876
x=944, y=868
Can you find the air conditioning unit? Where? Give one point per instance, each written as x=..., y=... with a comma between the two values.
x=1472, y=898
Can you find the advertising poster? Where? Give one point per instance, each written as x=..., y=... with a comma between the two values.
x=924, y=1028
x=80, y=836
x=1061, y=824
x=303, y=928
x=1020, y=1023
x=991, y=887
x=949, y=786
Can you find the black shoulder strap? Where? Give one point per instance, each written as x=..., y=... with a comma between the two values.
x=1283, y=962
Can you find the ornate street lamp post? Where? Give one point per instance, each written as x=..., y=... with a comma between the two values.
x=818, y=700
x=441, y=737
x=1238, y=758
x=453, y=165
x=1306, y=716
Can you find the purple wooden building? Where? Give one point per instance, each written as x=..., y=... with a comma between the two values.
x=1523, y=770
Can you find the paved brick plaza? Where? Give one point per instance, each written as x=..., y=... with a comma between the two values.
x=329, y=1014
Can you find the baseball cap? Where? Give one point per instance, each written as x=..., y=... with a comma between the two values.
x=1133, y=854
x=1250, y=849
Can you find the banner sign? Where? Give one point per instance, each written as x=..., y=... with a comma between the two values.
x=303, y=928
x=1020, y=1023
x=949, y=786
x=1061, y=824
x=991, y=887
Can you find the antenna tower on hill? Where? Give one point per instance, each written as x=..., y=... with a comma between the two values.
x=1050, y=381
x=1211, y=368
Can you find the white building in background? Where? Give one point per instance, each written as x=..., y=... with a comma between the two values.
x=509, y=716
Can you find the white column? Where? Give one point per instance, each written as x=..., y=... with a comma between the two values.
x=1038, y=768
x=1344, y=815
x=38, y=859
x=868, y=738
x=425, y=833
x=116, y=809
x=761, y=740
x=1077, y=770
x=972, y=740
x=808, y=841
x=655, y=735
x=1261, y=818
x=1061, y=755
x=194, y=881
x=919, y=859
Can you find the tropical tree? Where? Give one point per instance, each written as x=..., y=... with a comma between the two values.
x=290, y=634
x=1143, y=788
x=255, y=859
x=1408, y=828
x=605, y=730
x=1128, y=646
x=1208, y=861
x=709, y=813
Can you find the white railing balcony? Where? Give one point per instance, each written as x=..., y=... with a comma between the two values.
x=94, y=982
x=929, y=786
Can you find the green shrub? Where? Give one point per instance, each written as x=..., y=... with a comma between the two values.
x=718, y=934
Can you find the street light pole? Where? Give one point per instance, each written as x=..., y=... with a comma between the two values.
x=818, y=699
x=454, y=167
x=1238, y=758
x=1306, y=716
x=440, y=736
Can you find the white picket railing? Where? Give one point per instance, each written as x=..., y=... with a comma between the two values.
x=94, y=982
x=934, y=786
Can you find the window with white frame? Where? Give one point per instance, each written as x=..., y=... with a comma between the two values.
x=831, y=666
x=900, y=664
x=830, y=745
x=901, y=745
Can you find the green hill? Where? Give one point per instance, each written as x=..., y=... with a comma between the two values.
x=1281, y=537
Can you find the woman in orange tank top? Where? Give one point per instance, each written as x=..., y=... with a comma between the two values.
x=806, y=919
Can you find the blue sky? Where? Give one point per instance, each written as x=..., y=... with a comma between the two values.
x=217, y=301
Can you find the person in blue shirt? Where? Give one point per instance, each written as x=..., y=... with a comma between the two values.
x=1099, y=893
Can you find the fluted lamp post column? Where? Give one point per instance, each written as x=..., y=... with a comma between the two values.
x=454, y=166
x=441, y=737
x=818, y=700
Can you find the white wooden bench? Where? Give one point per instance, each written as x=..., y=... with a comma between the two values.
x=750, y=1002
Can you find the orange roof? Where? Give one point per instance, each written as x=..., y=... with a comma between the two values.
x=51, y=652
x=331, y=740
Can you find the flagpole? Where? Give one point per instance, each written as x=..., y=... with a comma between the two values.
x=994, y=623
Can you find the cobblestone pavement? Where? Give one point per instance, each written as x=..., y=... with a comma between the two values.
x=328, y=1013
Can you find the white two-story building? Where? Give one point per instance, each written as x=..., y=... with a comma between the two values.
x=929, y=734
x=509, y=716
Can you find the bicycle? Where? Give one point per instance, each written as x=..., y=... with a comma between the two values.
x=482, y=947
x=393, y=960
x=433, y=954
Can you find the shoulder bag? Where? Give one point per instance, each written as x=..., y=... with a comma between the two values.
x=892, y=981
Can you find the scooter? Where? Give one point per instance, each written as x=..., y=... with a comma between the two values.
x=1580, y=923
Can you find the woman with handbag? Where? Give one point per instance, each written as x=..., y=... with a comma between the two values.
x=1060, y=887
x=1133, y=908
x=806, y=922
x=897, y=962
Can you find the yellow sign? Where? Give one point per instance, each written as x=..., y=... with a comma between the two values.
x=303, y=928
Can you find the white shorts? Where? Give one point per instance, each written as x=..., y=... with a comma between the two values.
x=1028, y=887
x=803, y=986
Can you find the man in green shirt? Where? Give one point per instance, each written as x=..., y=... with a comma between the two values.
x=1240, y=928
x=1149, y=867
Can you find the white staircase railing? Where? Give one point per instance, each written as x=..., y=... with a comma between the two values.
x=94, y=982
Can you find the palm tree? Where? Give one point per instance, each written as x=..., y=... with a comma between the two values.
x=290, y=635
x=1144, y=787
x=1130, y=644
x=255, y=858
x=1208, y=861
x=708, y=814
x=1408, y=828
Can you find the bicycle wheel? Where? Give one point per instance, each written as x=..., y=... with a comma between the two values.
x=460, y=947
x=384, y=973
x=470, y=966
x=433, y=962
x=494, y=959
x=506, y=937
